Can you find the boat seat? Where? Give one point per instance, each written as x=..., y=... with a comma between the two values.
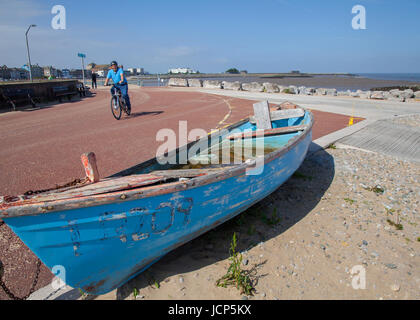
x=265, y=133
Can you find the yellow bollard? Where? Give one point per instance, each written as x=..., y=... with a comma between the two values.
x=350, y=122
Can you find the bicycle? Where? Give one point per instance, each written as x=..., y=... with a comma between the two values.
x=118, y=104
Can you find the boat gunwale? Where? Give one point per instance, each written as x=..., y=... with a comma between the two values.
x=18, y=209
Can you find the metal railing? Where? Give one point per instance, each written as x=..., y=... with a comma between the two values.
x=151, y=82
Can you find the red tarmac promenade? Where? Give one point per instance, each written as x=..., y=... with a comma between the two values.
x=41, y=148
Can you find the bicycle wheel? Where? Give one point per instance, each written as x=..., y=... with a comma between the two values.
x=115, y=108
x=126, y=110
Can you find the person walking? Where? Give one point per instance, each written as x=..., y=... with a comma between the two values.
x=94, y=86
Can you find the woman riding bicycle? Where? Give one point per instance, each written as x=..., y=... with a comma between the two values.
x=117, y=76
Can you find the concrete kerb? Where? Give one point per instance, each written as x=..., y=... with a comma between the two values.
x=49, y=293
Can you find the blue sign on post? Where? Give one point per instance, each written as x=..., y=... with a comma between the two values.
x=82, y=55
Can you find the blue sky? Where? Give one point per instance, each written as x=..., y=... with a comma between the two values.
x=212, y=36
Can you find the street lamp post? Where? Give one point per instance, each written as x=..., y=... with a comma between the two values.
x=27, y=47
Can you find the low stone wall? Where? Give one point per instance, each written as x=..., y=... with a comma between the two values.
x=253, y=87
x=197, y=83
x=392, y=95
x=227, y=85
x=212, y=84
x=178, y=82
x=42, y=89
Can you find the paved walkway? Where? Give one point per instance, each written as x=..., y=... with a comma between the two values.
x=365, y=108
x=388, y=137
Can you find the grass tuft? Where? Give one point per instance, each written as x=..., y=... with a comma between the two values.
x=397, y=226
x=235, y=276
x=351, y=201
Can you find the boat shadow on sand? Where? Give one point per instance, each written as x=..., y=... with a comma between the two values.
x=267, y=219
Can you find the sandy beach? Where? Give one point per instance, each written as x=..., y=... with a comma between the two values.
x=328, y=223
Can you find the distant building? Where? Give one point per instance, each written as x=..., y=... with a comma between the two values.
x=136, y=71
x=295, y=71
x=101, y=73
x=65, y=73
x=181, y=70
x=50, y=72
x=37, y=72
x=78, y=74
x=19, y=74
x=13, y=73
x=101, y=70
x=4, y=72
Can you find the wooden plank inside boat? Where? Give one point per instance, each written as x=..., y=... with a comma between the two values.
x=282, y=114
x=262, y=115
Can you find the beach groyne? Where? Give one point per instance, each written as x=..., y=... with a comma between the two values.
x=405, y=95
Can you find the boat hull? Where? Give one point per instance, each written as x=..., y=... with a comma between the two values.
x=99, y=248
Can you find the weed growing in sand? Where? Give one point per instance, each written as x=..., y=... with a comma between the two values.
x=418, y=239
x=389, y=211
x=300, y=175
x=397, y=226
x=332, y=146
x=377, y=189
x=273, y=219
x=351, y=201
x=235, y=276
x=251, y=230
x=240, y=220
x=135, y=293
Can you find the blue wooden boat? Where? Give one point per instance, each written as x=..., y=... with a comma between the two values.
x=106, y=232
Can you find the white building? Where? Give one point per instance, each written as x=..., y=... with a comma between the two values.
x=102, y=73
x=136, y=71
x=181, y=70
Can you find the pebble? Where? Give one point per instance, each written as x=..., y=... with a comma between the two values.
x=391, y=266
x=395, y=287
x=245, y=262
x=181, y=280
